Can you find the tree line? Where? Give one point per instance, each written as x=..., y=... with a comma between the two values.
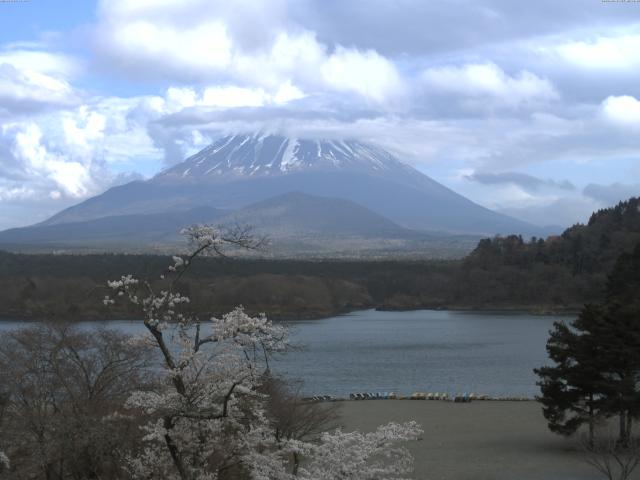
x=553, y=274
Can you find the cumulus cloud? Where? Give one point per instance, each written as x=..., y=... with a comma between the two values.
x=197, y=41
x=57, y=65
x=603, y=52
x=31, y=81
x=230, y=96
x=69, y=154
x=70, y=176
x=490, y=81
x=623, y=110
x=365, y=73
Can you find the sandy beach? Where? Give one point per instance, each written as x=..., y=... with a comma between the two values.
x=490, y=440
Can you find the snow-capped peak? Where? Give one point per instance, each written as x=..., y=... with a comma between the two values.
x=259, y=154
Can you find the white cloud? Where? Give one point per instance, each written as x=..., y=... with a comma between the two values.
x=489, y=80
x=57, y=65
x=178, y=98
x=73, y=153
x=296, y=56
x=34, y=80
x=233, y=97
x=288, y=92
x=365, y=73
x=618, y=52
x=215, y=47
x=70, y=176
x=84, y=128
x=623, y=110
x=202, y=49
x=225, y=97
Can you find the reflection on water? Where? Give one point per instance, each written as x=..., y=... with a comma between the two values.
x=425, y=350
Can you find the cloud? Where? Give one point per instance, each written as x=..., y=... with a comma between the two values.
x=611, y=194
x=66, y=155
x=198, y=51
x=57, y=65
x=173, y=42
x=70, y=176
x=523, y=180
x=487, y=80
x=561, y=212
x=441, y=27
x=617, y=52
x=31, y=81
x=8, y=192
x=364, y=73
x=623, y=110
x=229, y=96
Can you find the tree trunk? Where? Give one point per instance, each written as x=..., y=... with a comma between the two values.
x=173, y=450
x=624, y=437
x=591, y=421
x=296, y=463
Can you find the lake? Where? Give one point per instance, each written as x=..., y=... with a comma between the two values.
x=489, y=353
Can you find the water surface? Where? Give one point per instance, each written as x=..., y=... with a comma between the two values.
x=492, y=353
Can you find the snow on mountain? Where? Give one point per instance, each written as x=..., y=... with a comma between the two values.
x=258, y=155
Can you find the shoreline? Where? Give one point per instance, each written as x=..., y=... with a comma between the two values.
x=536, y=310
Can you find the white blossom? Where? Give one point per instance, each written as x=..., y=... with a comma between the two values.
x=210, y=414
x=4, y=462
x=363, y=456
x=202, y=236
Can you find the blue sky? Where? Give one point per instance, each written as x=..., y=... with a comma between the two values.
x=529, y=108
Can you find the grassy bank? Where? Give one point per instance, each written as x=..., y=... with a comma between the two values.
x=478, y=440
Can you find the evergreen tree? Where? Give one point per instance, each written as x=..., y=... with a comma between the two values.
x=570, y=389
x=618, y=337
x=597, y=359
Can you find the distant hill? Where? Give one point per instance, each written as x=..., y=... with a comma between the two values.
x=298, y=225
x=113, y=231
x=583, y=248
x=294, y=214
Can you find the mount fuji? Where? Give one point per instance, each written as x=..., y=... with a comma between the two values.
x=244, y=176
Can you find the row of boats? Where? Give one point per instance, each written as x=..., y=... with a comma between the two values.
x=457, y=398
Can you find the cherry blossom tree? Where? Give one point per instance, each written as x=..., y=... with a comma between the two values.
x=364, y=456
x=211, y=419
x=4, y=462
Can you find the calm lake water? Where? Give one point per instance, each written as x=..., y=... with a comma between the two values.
x=426, y=350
